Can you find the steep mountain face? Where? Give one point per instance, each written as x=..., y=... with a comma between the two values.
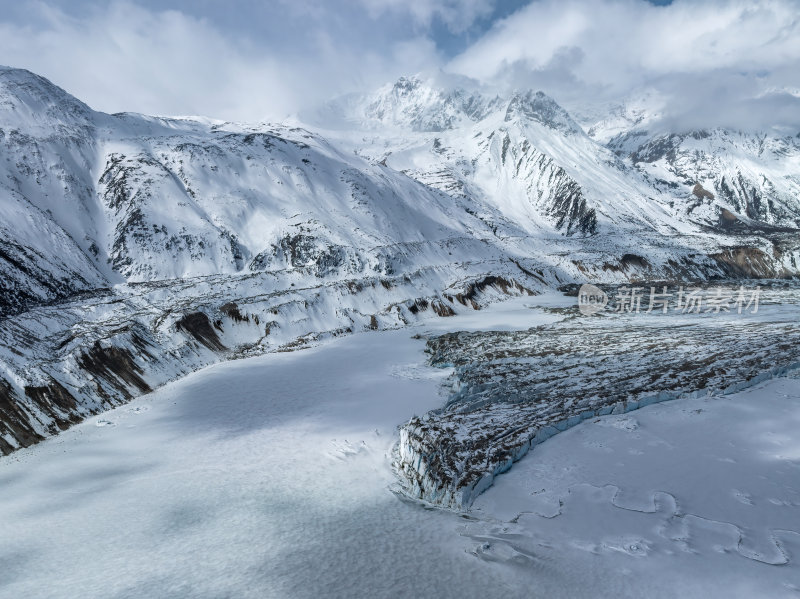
x=135, y=249
x=523, y=157
x=226, y=199
x=750, y=177
x=46, y=156
x=97, y=199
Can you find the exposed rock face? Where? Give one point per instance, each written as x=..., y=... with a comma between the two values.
x=541, y=109
x=307, y=251
x=748, y=197
x=30, y=278
x=548, y=186
x=15, y=429
x=748, y=262
x=199, y=326
x=702, y=193
x=727, y=216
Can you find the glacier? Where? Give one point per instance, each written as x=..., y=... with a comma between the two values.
x=269, y=477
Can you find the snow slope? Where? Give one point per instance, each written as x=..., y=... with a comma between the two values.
x=695, y=498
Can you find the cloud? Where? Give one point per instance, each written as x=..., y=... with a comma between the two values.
x=621, y=39
x=124, y=57
x=725, y=62
x=127, y=58
x=713, y=59
x=457, y=15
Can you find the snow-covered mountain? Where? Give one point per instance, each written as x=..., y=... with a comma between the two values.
x=744, y=176
x=135, y=198
x=754, y=176
x=134, y=249
x=525, y=156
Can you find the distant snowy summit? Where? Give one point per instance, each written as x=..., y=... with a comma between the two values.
x=751, y=175
x=414, y=104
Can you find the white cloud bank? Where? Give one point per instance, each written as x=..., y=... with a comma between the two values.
x=623, y=39
x=725, y=62
x=715, y=61
x=124, y=57
x=457, y=15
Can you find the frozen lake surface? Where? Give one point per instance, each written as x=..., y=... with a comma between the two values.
x=271, y=476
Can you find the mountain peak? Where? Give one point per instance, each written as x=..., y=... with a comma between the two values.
x=406, y=85
x=421, y=106
x=31, y=99
x=426, y=105
x=541, y=108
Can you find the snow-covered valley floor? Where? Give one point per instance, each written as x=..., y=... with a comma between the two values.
x=271, y=477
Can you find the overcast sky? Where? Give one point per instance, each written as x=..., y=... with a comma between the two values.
x=715, y=60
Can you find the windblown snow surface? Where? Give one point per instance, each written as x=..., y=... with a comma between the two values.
x=272, y=477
